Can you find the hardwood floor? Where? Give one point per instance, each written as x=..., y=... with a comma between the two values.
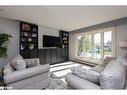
x=62, y=69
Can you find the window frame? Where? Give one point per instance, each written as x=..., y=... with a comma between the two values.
x=92, y=42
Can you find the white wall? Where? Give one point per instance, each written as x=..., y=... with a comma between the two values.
x=71, y=47
x=121, y=35
x=10, y=27
x=45, y=31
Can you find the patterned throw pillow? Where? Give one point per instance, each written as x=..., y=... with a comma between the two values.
x=32, y=62
x=87, y=74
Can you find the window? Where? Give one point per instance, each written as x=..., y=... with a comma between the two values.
x=97, y=46
x=92, y=46
x=108, y=43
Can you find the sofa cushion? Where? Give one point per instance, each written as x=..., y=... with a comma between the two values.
x=18, y=63
x=87, y=74
x=113, y=76
x=123, y=60
x=98, y=68
x=28, y=82
x=8, y=69
x=80, y=83
x=32, y=62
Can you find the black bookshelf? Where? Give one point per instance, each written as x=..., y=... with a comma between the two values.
x=64, y=37
x=28, y=40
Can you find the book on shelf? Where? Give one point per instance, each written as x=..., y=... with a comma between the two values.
x=25, y=27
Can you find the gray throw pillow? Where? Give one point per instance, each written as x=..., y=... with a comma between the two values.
x=18, y=63
x=113, y=76
x=87, y=74
x=106, y=60
x=100, y=67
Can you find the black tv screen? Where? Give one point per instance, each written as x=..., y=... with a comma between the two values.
x=51, y=41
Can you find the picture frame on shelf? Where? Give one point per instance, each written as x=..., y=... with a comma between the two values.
x=25, y=27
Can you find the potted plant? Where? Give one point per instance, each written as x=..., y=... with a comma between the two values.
x=4, y=38
x=31, y=46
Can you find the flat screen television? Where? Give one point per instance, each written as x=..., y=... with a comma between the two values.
x=51, y=41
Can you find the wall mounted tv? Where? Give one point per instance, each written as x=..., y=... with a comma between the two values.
x=51, y=41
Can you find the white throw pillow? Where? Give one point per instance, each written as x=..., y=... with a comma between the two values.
x=32, y=62
x=18, y=63
x=113, y=76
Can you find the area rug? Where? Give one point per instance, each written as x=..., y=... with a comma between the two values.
x=56, y=83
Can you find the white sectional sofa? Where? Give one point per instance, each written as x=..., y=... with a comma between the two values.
x=111, y=76
x=33, y=77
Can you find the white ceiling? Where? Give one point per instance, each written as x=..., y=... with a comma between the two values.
x=64, y=17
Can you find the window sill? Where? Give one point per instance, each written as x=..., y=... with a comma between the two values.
x=85, y=62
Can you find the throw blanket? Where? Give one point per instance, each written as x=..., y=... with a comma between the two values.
x=87, y=74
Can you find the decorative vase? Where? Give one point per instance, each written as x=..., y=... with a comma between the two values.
x=31, y=48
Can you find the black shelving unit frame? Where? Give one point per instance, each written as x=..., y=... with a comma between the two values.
x=28, y=37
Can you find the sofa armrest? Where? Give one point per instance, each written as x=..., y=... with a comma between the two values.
x=79, y=83
x=29, y=72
